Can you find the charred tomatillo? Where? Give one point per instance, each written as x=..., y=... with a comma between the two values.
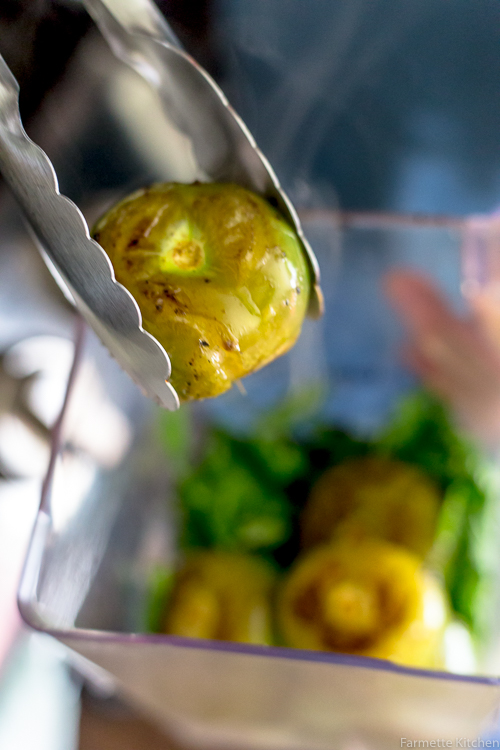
x=372, y=599
x=219, y=276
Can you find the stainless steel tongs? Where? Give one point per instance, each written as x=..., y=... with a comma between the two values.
x=223, y=151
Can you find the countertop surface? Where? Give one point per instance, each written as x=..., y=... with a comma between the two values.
x=112, y=725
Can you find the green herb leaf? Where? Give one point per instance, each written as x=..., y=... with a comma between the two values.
x=229, y=505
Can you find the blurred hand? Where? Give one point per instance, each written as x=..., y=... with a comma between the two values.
x=453, y=355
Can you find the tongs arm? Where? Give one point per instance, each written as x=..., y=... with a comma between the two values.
x=134, y=17
x=82, y=267
x=223, y=147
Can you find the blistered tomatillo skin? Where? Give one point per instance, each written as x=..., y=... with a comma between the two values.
x=372, y=599
x=220, y=278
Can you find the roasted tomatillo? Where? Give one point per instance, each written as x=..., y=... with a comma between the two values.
x=220, y=278
x=373, y=599
x=222, y=595
x=376, y=497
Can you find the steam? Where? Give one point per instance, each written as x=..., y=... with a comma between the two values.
x=317, y=56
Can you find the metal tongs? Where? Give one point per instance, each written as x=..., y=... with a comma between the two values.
x=223, y=149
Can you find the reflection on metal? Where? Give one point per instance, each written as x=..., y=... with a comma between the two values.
x=32, y=377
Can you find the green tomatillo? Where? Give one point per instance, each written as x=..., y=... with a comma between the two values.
x=220, y=278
